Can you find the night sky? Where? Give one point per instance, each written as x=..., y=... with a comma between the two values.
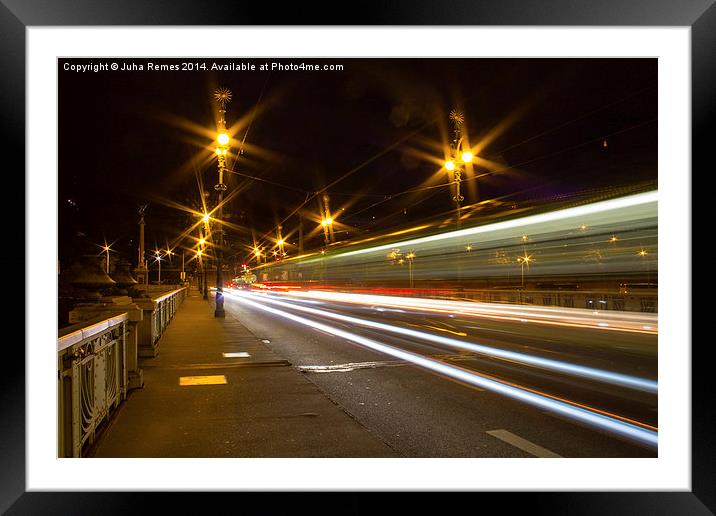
x=129, y=138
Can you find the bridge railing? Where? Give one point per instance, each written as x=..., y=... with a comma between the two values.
x=158, y=312
x=92, y=379
x=97, y=364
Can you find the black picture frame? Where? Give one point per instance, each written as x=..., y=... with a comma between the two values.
x=699, y=15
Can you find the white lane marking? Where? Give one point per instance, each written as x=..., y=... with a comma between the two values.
x=523, y=444
x=238, y=354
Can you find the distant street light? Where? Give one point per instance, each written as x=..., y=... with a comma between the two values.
x=202, y=271
x=105, y=247
x=645, y=257
x=410, y=257
x=159, y=261
x=524, y=260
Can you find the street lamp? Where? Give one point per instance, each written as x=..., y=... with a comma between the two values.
x=645, y=257
x=159, y=261
x=202, y=273
x=458, y=159
x=524, y=260
x=169, y=254
x=327, y=223
x=410, y=257
x=222, y=97
x=105, y=247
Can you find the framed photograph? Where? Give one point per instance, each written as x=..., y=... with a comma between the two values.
x=423, y=249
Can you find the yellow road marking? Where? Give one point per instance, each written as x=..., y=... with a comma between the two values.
x=202, y=380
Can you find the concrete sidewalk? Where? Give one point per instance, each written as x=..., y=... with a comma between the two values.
x=266, y=408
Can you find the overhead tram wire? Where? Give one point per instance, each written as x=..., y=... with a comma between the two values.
x=274, y=183
x=349, y=173
x=568, y=122
x=251, y=121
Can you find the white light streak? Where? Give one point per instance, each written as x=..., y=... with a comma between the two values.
x=632, y=382
x=574, y=317
x=578, y=211
x=594, y=419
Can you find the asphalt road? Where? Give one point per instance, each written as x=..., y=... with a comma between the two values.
x=423, y=413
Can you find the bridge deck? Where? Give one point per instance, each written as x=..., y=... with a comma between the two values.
x=265, y=408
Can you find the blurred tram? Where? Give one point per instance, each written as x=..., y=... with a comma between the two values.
x=602, y=256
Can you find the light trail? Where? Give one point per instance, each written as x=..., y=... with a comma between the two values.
x=570, y=317
x=601, y=375
x=584, y=415
x=554, y=216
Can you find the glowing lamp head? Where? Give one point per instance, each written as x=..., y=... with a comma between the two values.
x=205, y=218
x=467, y=157
x=326, y=222
x=450, y=165
x=280, y=241
x=223, y=139
x=199, y=252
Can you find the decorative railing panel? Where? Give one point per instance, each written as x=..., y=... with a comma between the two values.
x=92, y=380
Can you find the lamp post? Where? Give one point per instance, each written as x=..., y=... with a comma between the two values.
x=458, y=159
x=201, y=278
x=159, y=261
x=410, y=257
x=645, y=257
x=200, y=253
x=222, y=97
x=105, y=247
x=327, y=221
x=182, y=276
x=456, y=164
x=524, y=260
x=327, y=224
x=141, y=270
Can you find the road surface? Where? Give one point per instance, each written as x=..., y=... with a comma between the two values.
x=483, y=383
